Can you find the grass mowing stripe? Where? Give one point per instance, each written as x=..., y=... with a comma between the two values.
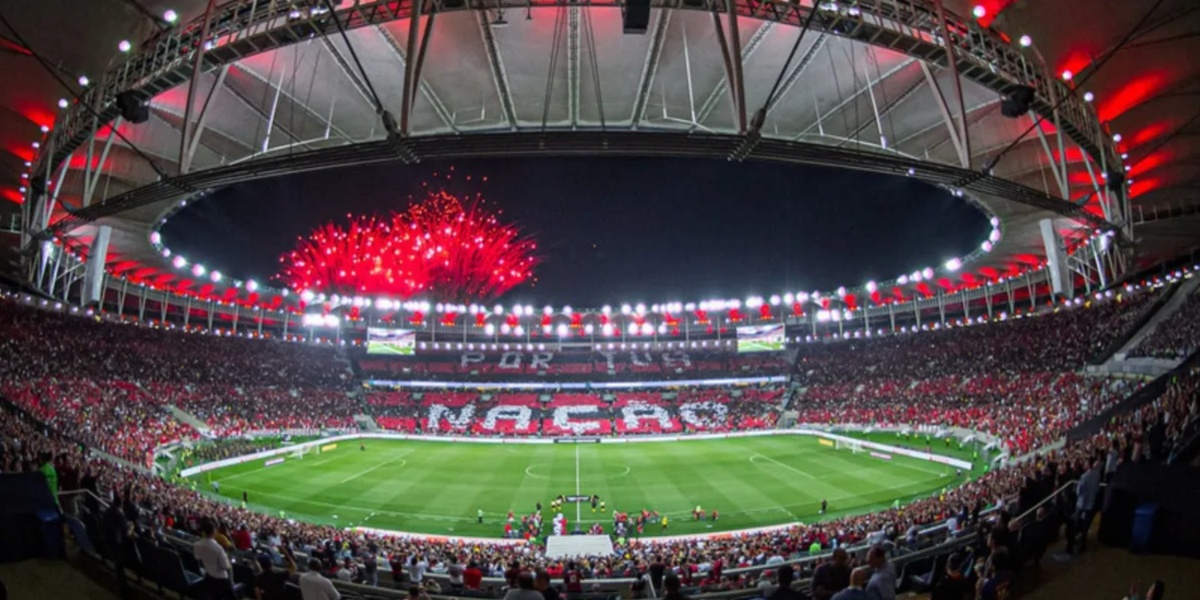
x=440, y=486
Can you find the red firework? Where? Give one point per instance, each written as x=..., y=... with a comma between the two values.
x=440, y=246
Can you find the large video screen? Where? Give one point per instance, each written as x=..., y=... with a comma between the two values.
x=384, y=340
x=760, y=338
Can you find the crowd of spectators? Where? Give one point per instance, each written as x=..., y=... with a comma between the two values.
x=109, y=384
x=1175, y=337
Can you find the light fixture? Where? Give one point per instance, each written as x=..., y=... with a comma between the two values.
x=170, y=16
x=62, y=103
x=1088, y=96
x=1025, y=41
x=980, y=11
x=1117, y=137
x=83, y=80
x=124, y=46
x=1067, y=75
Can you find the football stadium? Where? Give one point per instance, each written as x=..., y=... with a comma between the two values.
x=619, y=299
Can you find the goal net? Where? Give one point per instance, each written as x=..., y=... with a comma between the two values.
x=852, y=446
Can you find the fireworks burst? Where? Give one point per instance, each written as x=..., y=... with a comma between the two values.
x=440, y=246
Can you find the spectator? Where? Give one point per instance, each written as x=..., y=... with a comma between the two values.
x=882, y=584
x=857, y=590
x=954, y=585
x=543, y=585
x=672, y=586
x=786, y=577
x=218, y=571
x=831, y=577
x=524, y=589
x=314, y=586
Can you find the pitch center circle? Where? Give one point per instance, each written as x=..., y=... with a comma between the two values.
x=530, y=472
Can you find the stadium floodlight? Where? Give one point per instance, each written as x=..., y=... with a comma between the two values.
x=980, y=11
x=902, y=280
x=986, y=246
x=546, y=329
x=45, y=128
x=1067, y=75
x=518, y=330
x=995, y=221
x=915, y=276
x=84, y=81
x=166, y=252
x=927, y=273
x=606, y=329
x=179, y=262
x=170, y=16
x=872, y=287
x=953, y=264
x=1025, y=41
x=690, y=306
x=1088, y=96
x=504, y=328
x=124, y=46
x=911, y=171
x=626, y=309
x=753, y=302
x=633, y=328
x=216, y=276
x=528, y=310
x=647, y=329
x=497, y=310
x=63, y=103
x=546, y=310
x=994, y=236
x=662, y=328
x=606, y=310
x=841, y=291
x=734, y=304
x=474, y=309
x=439, y=307
x=641, y=308
x=789, y=298
x=801, y=297
x=588, y=329
x=1117, y=137
x=775, y=300
x=567, y=310
x=654, y=308
x=155, y=237
x=562, y=330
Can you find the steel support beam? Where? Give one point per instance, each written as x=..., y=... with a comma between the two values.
x=948, y=43
x=710, y=103
x=197, y=70
x=410, y=66
x=960, y=148
x=496, y=64
x=650, y=66
x=194, y=137
x=573, y=65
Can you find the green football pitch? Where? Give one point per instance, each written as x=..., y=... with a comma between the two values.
x=436, y=488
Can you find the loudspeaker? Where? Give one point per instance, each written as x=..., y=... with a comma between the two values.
x=132, y=109
x=1017, y=103
x=636, y=16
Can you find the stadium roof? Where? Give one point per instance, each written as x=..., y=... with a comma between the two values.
x=856, y=84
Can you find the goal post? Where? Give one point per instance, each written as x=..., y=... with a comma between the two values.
x=853, y=446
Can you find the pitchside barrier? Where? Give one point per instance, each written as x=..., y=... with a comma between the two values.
x=265, y=454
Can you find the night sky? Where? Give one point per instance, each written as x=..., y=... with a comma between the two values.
x=614, y=230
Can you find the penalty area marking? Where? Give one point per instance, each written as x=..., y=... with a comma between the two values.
x=788, y=467
x=378, y=466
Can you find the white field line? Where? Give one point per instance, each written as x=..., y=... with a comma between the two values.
x=374, y=468
x=788, y=467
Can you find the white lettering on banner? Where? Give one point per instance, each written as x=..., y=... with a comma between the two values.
x=703, y=414
x=437, y=412
x=520, y=414
x=541, y=361
x=676, y=359
x=635, y=412
x=608, y=359
x=510, y=360
x=637, y=360
x=471, y=357
x=563, y=414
